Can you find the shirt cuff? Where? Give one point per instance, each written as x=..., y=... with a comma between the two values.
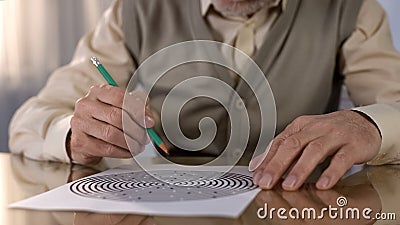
x=383, y=115
x=54, y=144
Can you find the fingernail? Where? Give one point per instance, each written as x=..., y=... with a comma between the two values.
x=252, y=165
x=256, y=177
x=149, y=121
x=265, y=181
x=323, y=182
x=290, y=181
x=256, y=161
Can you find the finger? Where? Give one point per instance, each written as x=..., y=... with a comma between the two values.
x=135, y=108
x=100, y=148
x=134, y=103
x=286, y=153
x=88, y=150
x=256, y=161
x=265, y=158
x=89, y=110
x=108, y=133
x=109, y=94
x=100, y=130
x=315, y=152
x=293, y=128
x=135, y=131
x=257, y=165
x=102, y=112
x=150, y=114
x=113, y=116
x=342, y=161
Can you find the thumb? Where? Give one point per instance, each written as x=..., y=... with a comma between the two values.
x=149, y=118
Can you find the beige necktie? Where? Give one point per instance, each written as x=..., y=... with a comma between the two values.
x=245, y=39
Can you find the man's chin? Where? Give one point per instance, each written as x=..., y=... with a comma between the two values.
x=239, y=7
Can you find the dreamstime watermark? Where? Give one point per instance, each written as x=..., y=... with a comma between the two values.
x=339, y=212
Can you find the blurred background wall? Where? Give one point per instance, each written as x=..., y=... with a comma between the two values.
x=38, y=36
x=392, y=8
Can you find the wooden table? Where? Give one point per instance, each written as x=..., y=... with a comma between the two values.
x=377, y=188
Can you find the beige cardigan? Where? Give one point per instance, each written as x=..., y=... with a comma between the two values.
x=38, y=130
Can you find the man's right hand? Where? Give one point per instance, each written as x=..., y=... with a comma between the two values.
x=96, y=126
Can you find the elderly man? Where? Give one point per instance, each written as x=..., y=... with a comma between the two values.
x=306, y=48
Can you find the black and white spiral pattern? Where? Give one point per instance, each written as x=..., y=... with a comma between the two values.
x=140, y=186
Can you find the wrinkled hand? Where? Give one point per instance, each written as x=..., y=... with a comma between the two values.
x=96, y=126
x=346, y=136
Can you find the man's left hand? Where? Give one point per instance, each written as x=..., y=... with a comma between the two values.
x=346, y=136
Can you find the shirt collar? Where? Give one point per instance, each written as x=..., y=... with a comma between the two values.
x=206, y=4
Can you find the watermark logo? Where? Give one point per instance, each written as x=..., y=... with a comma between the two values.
x=341, y=201
x=330, y=212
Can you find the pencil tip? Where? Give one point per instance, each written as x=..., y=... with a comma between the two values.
x=164, y=148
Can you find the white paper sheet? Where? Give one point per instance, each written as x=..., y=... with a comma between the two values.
x=228, y=204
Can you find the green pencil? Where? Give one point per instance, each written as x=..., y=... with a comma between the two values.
x=153, y=135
